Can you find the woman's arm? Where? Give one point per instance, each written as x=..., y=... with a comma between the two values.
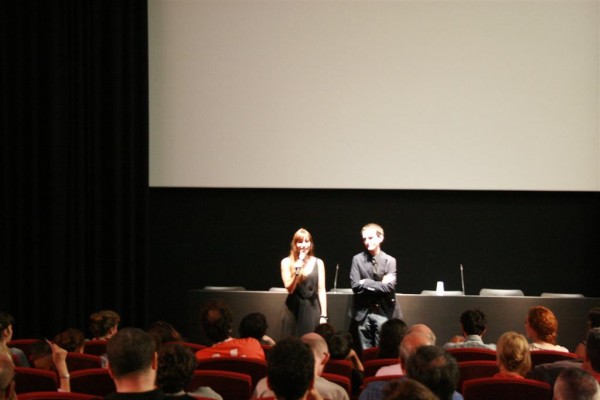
x=322, y=291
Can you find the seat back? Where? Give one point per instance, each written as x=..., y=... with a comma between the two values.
x=95, y=347
x=370, y=354
x=257, y=369
x=339, y=367
x=472, y=354
x=26, y=345
x=476, y=369
x=94, y=381
x=57, y=396
x=230, y=385
x=35, y=380
x=549, y=356
x=341, y=380
x=192, y=346
x=79, y=361
x=372, y=366
x=506, y=389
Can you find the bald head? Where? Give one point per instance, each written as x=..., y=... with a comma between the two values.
x=422, y=329
x=411, y=342
x=318, y=345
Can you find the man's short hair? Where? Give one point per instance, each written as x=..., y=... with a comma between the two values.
x=176, y=365
x=576, y=384
x=130, y=350
x=474, y=322
x=216, y=320
x=378, y=229
x=435, y=368
x=339, y=345
x=290, y=370
x=103, y=321
x=6, y=320
x=592, y=348
x=253, y=325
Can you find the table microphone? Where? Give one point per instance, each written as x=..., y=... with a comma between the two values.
x=462, y=279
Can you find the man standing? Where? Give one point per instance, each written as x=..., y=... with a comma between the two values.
x=373, y=280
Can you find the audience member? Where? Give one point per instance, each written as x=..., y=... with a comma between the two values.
x=473, y=325
x=132, y=365
x=176, y=366
x=104, y=324
x=71, y=339
x=513, y=357
x=593, y=321
x=542, y=328
x=409, y=345
x=424, y=329
x=163, y=333
x=325, y=329
x=325, y=388
x=7, y=378
x=217, y=322
x=15, y=355
x=340, y=348
x=290, y=371
x=392, y=333
x=255, y=325
x=408, y=389
x=576, y=384
x=437, y=369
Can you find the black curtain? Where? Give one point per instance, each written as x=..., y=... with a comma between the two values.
x=74, y=167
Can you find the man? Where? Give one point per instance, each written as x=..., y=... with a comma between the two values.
x=132, y=364
x=437, y=369
x=217, y=321
x=410, y=343
x=322, y=386
x=373, y=281
x=473, y=324
x=290, y=372
x=576, y=384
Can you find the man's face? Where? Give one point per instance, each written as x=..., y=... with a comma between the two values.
x=371, y=241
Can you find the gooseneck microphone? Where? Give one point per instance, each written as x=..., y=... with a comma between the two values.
x=462, y=279
x=337, y=268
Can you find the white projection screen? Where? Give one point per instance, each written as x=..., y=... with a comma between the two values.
x=451, y=94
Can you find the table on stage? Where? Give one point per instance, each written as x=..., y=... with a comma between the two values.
x=441, y=313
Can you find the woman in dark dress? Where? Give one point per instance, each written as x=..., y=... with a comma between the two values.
x=303, y=276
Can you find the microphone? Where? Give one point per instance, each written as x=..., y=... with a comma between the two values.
x=337, y=267
x=462, y=279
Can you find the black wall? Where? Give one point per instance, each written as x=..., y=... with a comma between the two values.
x=534, y=241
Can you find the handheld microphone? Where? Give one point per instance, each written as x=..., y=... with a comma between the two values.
x=462, y=279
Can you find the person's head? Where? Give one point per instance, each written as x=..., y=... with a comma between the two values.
x=7, y=375
x=407, y=389
x=325, y=329
x=318, y=345
x=253, y=325
x=72, y=340
x=473, y=322
x=576, y=384
x=435, y=368
x=302, y=240
x=6, y=327
x=372, y=237
x=390, y=337
x=592, y=349
x=176, y=365
x=41, y=355
x=424, y=329
x=163, y=333
x=131, y=353
x=541, y=324
x=339, y=345
x=104, y=324
x=594, y=317
x=290, y=370
x=411, y=342
x=512, y=353
x=216, y=320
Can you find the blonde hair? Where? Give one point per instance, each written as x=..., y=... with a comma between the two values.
x=513, y=353
x=300, y=235
x=377, y=228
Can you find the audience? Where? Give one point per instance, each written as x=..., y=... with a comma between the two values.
x=132, y=364
x=576, y=384
x=340, y=348
x=390, y=337
x=176, y=366
x=163, y=333
x=409, y=345
x=424, y=329
x=290, y=371
x=542, y=328
x=71, y=339
x=7, y=378
x=437, y=369
x=513, y=357
x=325, y=329
x=473, y=325
x=593, y=321
x=254, y=325
x=104, y=324
x=217, y=322
x=408, y=389
x=15, y=355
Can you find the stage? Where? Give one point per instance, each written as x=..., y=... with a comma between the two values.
x=441, y=313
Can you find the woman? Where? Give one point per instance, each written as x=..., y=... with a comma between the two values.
x=542, y=328
x=303, y=276
x=513, y=357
